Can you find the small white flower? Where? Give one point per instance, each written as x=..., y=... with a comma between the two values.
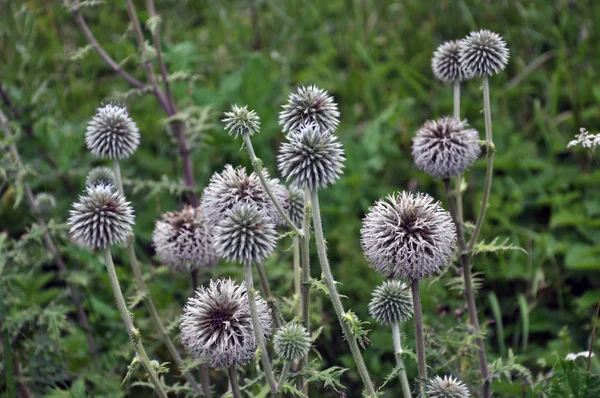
x=585, y=139
x=574, y=355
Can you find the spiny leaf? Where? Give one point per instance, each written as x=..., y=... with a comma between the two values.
x=495, y=247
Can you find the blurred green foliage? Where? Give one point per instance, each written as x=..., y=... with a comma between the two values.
x=374, y=57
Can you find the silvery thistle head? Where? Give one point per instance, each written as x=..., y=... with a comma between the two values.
x=311, y=158
x=408, y=235
x=216, y=324
x=292, y=342
x=483, y=53
x=445, y=63
x=445, y=147
x=309, y=105
x=233, y=187
x=101, y=218
x=447, y=387
x=100, y=176
x=245, y=235
x=44, y=203
x=183, y=240
x=112, y=133
x=241, y=121
x=391, y=302
x=294, y=205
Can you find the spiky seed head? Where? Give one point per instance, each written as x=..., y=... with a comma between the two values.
x=391, y=302
x=295, y=205
x=100, y=176
x=234, y=187
x=445, y=63
x=446, y=387
x=309, y=105
x=408, y=235
x=216, y=324
x=183, y=240
x=101, y=218
x=483, y=53
x=292, y=342
x=445, y=147
x=245, y=235
x=241, y=121
x=44, y=203
x=112, y=133
x=311, y=158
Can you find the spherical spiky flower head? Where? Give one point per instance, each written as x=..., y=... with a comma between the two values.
x=309, y=105
x=234, y=187
x=311, y=158
x=446, y=63
x=292, y=342
x=483, y=53
x=446, y=387
x=241, y=121
x=101, y=218
x=100, y=176
x=445, y=147
x=112, y=133
x=295, y=205
x=245, y=235
x=391, y=302
x=44, y=203
x=408, y=235
x=183, y=240
x=216, y=324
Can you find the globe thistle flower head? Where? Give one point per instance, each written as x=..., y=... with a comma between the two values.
x=216, y=324
x=408, y=235
x=294, y=205
x=112, y=133
x=234, y=187
x=245, y=235
x=445, y=147
x=483, y=53
x=44, y=203
x=100, y=176
x=309, y=105
x=391, y=302
x=445, y=63
x=241, y=121
x=102, y=217
x=311, y=158
x=446, y=387
x=292, y=342
x=183, y=240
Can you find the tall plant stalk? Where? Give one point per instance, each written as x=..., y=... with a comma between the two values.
x=335, y=297
x=134, y=334
x=397, y=338
x=233, y=382
x=266, y=289
x=305, y=281
x=419, y=336
x=145, y=293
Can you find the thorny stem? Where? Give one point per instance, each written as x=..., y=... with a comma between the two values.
x=233, y=382
x=297, y=275
x=335, y=298
x=266, y=289
x=399, y=361
x=284, y=373
x=593, y=337
x=139, y=279
x=134, y=334
x=258, y=332
x=419, y=336
x=51, y=246
x=258, y=168
x=305, y=285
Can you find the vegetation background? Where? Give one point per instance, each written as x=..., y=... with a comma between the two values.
x=374, y=57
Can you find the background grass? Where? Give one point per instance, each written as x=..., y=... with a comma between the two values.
x=374, y=57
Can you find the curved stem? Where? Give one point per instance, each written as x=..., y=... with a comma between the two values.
x=264, y=283
x=335, y=298
x=305, y=285
x=134, y=334
x=399, y=361
x=233, y=382
x=419, y=336
x=258, y=168
x=258, y=332
x=284, y=373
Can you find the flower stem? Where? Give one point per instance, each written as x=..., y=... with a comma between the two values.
x=141, y=284
x=297, y=275
x=458, y=178
x=305, y=285
x=134, y=334
x=233, y=381
x=399, y=361
x=258, y=168
x=419, y=336
x=284, y=373
x=335, y=298
x=456, y=92
x=258, y=332
x=264, y=283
